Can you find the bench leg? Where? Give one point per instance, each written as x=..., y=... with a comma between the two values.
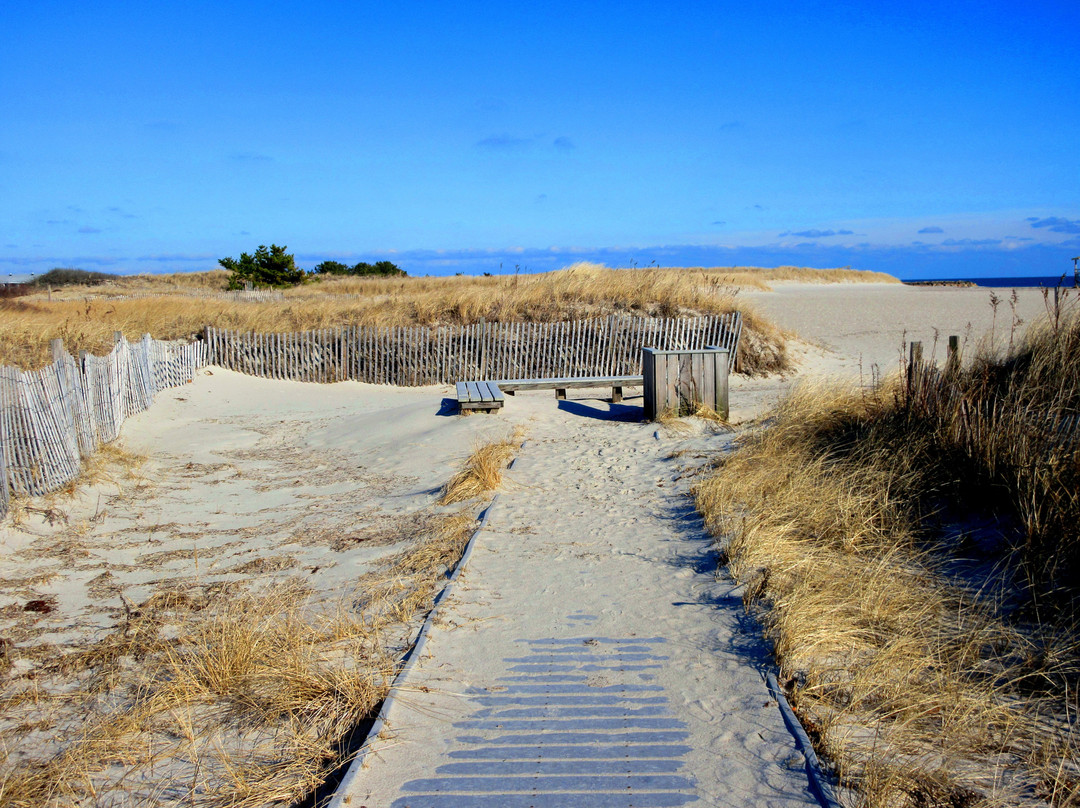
x=560, y=393
x=616, y=395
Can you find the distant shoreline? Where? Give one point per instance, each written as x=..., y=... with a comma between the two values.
x=1049, y=281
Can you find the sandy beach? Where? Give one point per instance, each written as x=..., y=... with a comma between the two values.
x=593, y=581
x=857, y=330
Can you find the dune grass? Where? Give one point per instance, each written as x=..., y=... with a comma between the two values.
x=180, y=306
x=911, y=551
x=483, y=471
x=229, y=694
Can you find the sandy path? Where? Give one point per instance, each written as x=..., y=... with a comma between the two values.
x=588, y=657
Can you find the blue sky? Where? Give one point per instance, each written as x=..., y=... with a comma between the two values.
x=922, y=139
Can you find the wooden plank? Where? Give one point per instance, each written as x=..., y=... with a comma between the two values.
x=474, y=392
x=707, y=380
x=685, y=392
x=483, y=406
x=567, y=382
x=463, y=392
x=670, y=394
x=696, y=388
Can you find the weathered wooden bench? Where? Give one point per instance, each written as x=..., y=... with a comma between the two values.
x=479, y=396
x=489, y=396
x=561, y=385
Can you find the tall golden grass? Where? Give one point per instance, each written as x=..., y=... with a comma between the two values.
x=911, y=553
x=85, y=318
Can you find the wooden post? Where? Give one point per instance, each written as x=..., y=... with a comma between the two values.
x=722, y=367
x=57, y=346
x=914, y=361
x=914, y=355
x=649, y=381
x=952, y=360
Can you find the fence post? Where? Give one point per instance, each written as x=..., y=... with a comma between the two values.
x=952, y=359
x=914, y=361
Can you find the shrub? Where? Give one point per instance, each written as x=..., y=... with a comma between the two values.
x=381, y=268
x=63, y=276
x=331, y=268
x=267, y=268
x=385, y=268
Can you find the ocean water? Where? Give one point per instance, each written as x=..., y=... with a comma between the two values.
x=1049, y=281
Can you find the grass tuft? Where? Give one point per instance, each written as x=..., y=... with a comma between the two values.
x=482, y=472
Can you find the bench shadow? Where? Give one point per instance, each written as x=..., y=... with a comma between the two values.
x=449, y=406
x=603, y=410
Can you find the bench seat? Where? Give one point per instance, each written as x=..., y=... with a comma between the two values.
x=488, y=396
x=479, y=396
x=561, y=385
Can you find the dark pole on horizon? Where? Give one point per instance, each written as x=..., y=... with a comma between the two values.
x=1076, y=272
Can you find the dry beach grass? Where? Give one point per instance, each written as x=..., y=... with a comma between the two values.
x=912, y=553
x=483, y=471
x=233, y=686
x=168, y=308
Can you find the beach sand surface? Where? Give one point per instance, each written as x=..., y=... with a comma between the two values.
x=861, y=331
x=592, y=583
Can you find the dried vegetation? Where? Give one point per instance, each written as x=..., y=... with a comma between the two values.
x=482, y=472
x=179, y=306
x=912, y=553
x=229, y=692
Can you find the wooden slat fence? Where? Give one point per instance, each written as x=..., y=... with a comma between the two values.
x=53, y=418
x=418, y=355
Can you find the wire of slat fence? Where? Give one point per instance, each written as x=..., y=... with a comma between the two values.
x=420, y=355
x=53, y=418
